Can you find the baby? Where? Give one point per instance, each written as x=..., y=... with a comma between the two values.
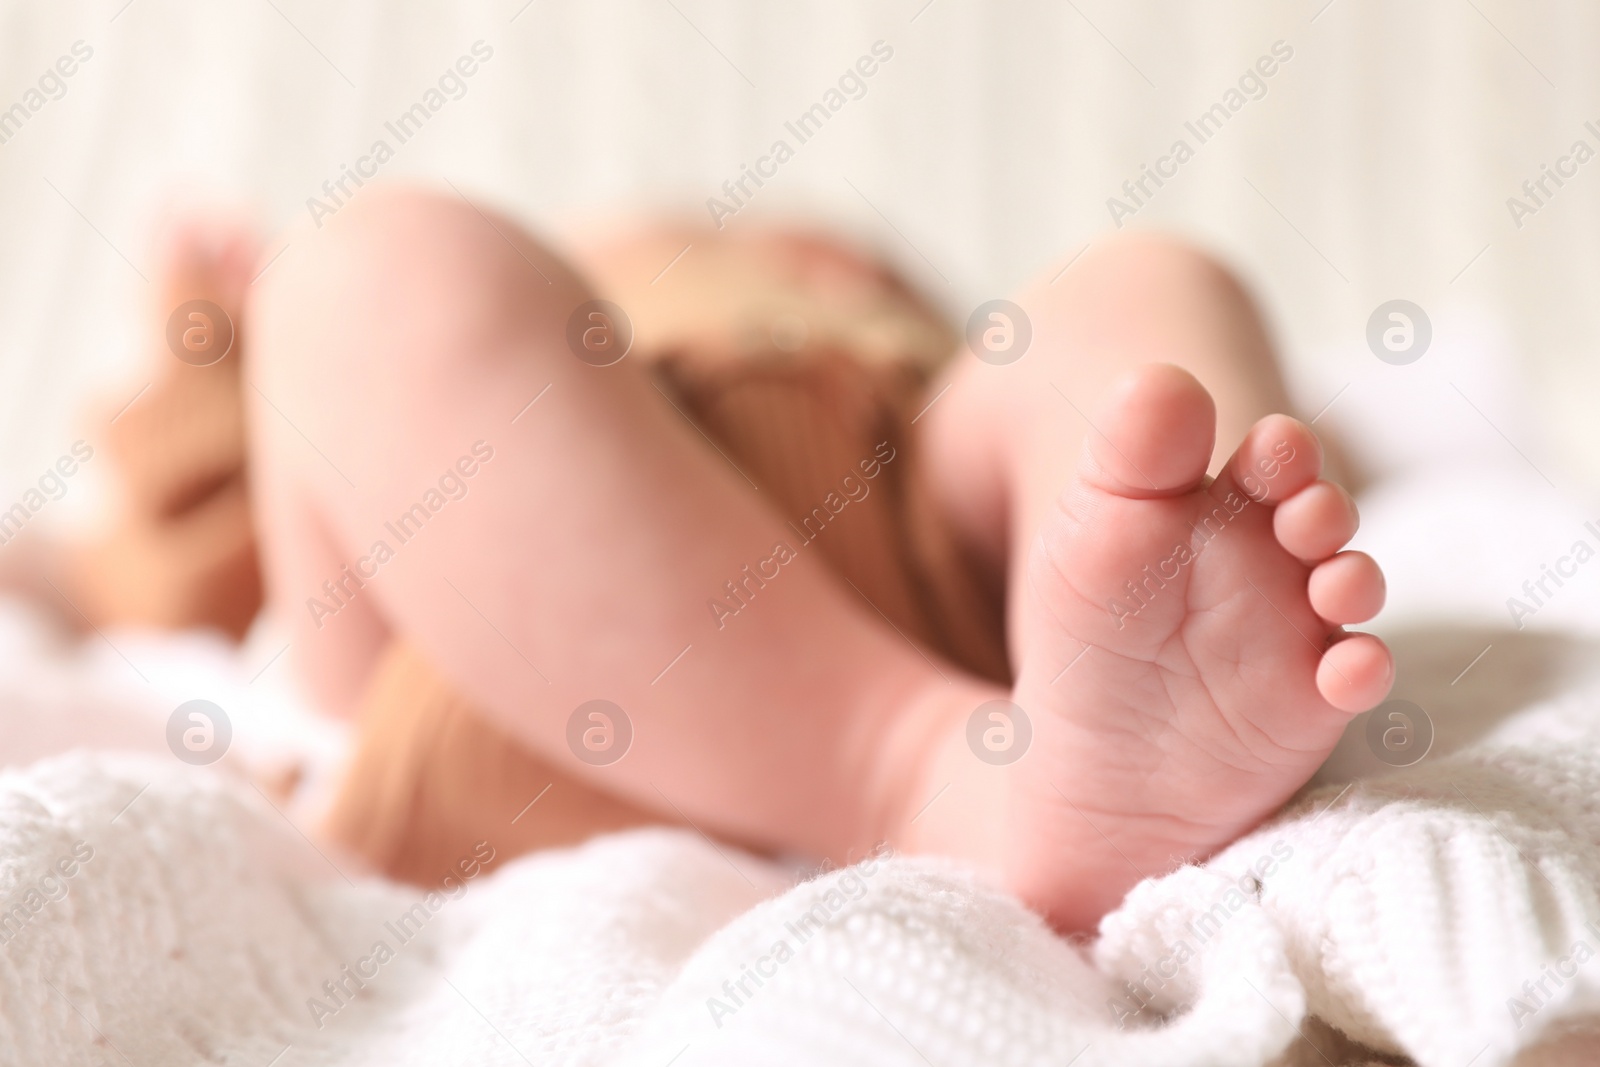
x=1174, y=665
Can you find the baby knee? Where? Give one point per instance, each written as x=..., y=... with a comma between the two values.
x=406, y=274
x=1164, y=260
x=407, y=241
x=1163, y=265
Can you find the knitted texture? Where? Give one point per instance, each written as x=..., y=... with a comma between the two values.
x=1442, y=913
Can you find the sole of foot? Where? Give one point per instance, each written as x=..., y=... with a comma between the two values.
x=1203, y=621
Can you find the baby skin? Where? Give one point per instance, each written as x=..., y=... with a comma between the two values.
x=1213, y=676
x=1176, y=636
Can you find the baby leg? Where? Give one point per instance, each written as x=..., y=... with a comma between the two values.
x=549, y=532
x=1177, y=638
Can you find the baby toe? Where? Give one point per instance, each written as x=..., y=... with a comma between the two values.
x=1316, y=522
x=1348, y=588
x=1280, y=456
x=1355, y=674
x=1153, y=434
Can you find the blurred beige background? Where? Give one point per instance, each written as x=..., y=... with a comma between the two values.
x=1376, y=165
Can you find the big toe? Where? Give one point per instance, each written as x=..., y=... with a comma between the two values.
x=1153, y=434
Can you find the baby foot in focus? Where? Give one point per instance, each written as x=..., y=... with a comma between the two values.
x=1214, y=677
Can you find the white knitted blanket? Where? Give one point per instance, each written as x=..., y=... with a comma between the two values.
x=160, y=914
